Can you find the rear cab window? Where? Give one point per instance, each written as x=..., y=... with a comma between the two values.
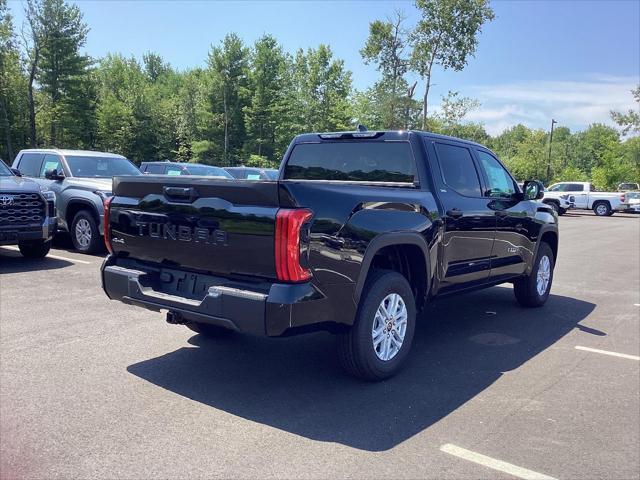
x=458, y=169
x=353, y=161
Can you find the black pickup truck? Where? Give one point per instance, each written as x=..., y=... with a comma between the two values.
x=358, y=233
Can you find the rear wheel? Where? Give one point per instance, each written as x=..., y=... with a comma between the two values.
x=602, y=209
x=555, y=206
x=208, y=330
x=37, y=249
x=84, y=232
x=562, y=211
x=378, y=343
x=533, y=290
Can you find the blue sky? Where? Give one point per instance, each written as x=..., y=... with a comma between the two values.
x=573, y=60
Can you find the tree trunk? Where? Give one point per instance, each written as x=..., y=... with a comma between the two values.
x=32, y=106
x=7, y=130
x=226, y=127
x=425, y=100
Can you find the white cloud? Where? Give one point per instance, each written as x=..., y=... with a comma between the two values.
x=574, y=104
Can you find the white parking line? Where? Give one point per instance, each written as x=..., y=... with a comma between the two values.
x=607, y=352
x=489, y=462
x=57, y=257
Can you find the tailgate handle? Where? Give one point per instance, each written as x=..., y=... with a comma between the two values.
x=180, y=193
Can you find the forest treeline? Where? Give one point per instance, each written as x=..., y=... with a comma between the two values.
x=248, y=102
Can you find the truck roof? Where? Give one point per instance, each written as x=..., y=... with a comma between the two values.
x=387, y=134
x=65, y=152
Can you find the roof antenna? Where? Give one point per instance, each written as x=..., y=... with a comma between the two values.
x=362, y=128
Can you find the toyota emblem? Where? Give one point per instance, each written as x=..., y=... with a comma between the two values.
x=6, y=200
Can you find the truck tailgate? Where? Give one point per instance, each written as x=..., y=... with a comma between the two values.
x=220, y=226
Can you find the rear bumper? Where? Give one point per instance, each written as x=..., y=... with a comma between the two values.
x=628, y=208
x=10, y=235
x=272, y=309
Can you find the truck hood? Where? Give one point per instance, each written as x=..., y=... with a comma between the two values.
x=103, y=184
x=18, y=184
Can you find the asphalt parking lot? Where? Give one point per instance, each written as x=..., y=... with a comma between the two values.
x=91, y=388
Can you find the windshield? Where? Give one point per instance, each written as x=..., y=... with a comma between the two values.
x=4, y=170
x=208, y=171
x=100, y=167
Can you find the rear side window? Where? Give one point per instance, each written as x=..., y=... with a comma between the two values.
x=30, y=164
x=458, y=169
x=154, y=168
x=574, y=187
x=352, y=161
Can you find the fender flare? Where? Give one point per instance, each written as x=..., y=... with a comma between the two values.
x=385, y=240
x=545, y=229
x=84, y=203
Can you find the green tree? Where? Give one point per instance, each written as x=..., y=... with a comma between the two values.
x=228, y=65
x=63, y=72
x=629, y=121
x=265, y=106
x=446, y=35
x=386, y=47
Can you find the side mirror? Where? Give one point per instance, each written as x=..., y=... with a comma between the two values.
x=533, y=190
x=53, y=175
x=16, y=172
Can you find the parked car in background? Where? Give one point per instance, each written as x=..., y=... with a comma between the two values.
x=183, y=168
x=253, y=173
x=560, y=203
x=27, y=214
x=629, y=202
x=357, y=235
x=80, y=180
x=585, y=196
x=628, y=187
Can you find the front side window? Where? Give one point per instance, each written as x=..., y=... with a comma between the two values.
x=100, y=167
x=458, y=170
x=4, y=170
x=51, y=162
x=574, y=187
x=30, y=163
x=500, y=182
x=352, y=161
x=154, y=169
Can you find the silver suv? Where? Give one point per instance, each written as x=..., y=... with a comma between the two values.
x=81, y=180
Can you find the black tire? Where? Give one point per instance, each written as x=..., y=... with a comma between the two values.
x=38, y=249
x=526, y=288
x=555, y=206
x=602, y=209
x=356, y=349
x=208, y=330
x=87, y=220
x=562, y=211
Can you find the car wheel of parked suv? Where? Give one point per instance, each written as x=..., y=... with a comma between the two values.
x=37, y=249
x=377, y=344
x=84, y=233
x=533, y=290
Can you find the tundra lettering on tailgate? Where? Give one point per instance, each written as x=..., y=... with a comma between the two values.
x=183, y=233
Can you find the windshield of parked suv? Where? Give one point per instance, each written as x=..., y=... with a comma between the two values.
x=100, y=167
x=4, y=170
x=208, y=171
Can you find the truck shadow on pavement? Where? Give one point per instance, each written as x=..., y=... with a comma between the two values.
x=461, y=347
x=14, y=262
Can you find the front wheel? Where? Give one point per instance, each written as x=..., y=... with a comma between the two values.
x=38, y=249
x=533, y=290
x=378, y=343
x=84, y=232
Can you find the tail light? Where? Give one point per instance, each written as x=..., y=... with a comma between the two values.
x=622, y=198
x=107, y=213
x=288, y=225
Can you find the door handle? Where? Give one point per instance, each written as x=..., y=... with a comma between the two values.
x=455, y=213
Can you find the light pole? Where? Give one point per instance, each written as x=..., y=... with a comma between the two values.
x=553, y=122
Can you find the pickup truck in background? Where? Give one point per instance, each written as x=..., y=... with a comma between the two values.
x=80, y=180
x=358, y=233
x=629, y=202
x=27, y=214
x=585, y=197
